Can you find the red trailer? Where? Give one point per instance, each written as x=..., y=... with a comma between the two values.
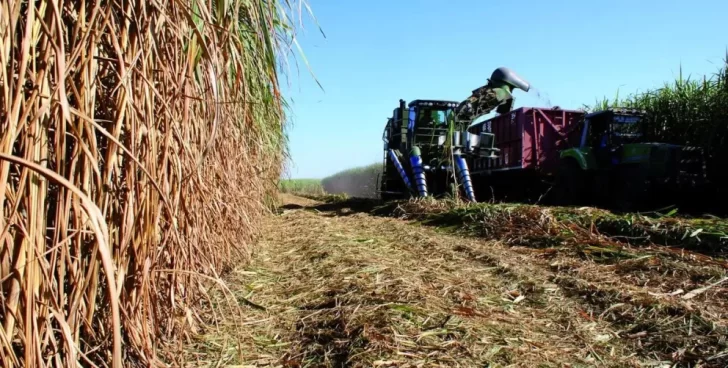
x=529, y=139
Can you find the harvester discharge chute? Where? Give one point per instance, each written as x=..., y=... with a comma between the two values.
x=433, y=133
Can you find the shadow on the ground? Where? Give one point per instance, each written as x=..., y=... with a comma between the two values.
x=352, y=206
x=292, y=206
x=522, y=225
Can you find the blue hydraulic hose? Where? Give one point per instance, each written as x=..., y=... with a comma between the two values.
x=418, y=172
x=398, y=165
x=464, y=175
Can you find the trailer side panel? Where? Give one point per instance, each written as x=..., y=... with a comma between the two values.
x=528, y=138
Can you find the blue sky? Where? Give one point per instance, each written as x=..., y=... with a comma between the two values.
x=572, y=52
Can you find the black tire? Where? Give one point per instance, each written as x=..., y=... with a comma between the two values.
x=571, y=184
x=630, y=191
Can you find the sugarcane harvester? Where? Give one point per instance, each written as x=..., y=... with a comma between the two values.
x=426, y=142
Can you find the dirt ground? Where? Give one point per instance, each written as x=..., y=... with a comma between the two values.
x=340, y=288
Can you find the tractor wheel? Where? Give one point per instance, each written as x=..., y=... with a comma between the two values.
x=571, y=184
x=629, y=191
x=622, y=199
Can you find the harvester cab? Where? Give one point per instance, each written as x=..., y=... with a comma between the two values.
x=426, y=141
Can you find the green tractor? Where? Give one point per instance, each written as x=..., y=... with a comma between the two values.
x=615, y=164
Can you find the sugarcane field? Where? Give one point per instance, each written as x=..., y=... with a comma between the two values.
x=309, y=183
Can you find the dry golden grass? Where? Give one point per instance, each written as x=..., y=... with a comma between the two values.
x=138, y=143
x=666, y=303
x=330, y=289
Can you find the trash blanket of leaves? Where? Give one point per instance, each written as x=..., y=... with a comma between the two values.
x=349, y=283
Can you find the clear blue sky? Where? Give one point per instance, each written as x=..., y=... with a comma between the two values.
x=572, y=52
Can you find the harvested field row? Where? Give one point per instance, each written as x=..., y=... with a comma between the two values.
x=336, y=286
x=361, y=291
x=674, y=293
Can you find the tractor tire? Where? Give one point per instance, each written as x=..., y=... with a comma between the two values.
x=571, y=184
x=629, y=191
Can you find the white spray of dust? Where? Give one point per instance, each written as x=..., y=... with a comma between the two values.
x=542, y=96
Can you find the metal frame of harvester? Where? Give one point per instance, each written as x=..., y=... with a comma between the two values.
x=421, y=151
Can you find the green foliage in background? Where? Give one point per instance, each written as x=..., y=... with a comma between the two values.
x=356, y=182
x=302, y=186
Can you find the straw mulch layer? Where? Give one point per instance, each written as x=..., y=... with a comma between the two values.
x=335, y=286
x=138, y=140
x=333, y=290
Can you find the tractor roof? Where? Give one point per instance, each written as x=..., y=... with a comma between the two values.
x=615, y=111
x=433, y=103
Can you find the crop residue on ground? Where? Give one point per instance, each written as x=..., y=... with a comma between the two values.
x=334, y=285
